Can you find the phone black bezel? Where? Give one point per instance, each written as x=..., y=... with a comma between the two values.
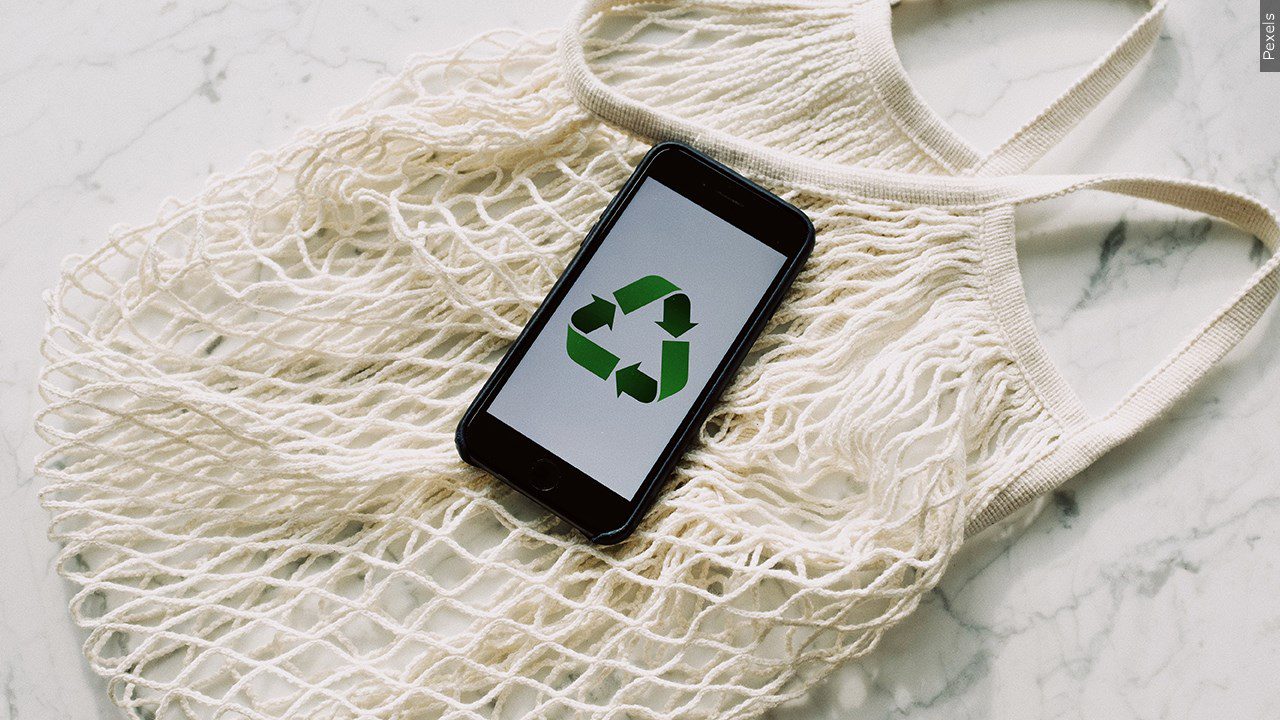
x=601, y=514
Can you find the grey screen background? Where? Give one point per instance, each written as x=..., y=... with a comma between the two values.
x=578, y=416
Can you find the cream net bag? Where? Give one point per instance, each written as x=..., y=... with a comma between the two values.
x=252, y=399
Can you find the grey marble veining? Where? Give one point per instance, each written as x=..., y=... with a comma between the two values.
x=1145, y=588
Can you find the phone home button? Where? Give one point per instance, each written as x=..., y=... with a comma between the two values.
x=544, y=476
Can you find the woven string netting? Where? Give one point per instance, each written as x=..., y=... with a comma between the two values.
x=789, y=75
x=252, y=400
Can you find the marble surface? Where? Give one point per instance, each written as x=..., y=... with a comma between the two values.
x=1145, y=588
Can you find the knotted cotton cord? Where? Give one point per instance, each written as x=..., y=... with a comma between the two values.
x=252, y=400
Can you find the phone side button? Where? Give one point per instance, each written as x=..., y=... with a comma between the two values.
x=544, y=475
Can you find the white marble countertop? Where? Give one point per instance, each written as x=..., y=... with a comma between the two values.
x=1146, y=588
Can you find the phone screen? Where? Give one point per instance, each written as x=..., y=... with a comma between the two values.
x=639, y=335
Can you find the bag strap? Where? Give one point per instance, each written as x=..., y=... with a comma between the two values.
x=1173, y=377
x=1039, y=135
x=1019, y=151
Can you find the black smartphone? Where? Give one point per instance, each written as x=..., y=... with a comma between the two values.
x=598, y=397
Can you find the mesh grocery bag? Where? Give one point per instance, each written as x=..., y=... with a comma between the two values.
x=252, y=401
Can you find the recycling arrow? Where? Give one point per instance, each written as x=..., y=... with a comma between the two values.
x=675, y=315
x=631, y=380
x=636, y=295
x=589, y=355
x=634, y=382
x=675, y=367
x=596, y=315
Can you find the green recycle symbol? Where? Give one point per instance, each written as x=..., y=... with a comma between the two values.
x=631, y=379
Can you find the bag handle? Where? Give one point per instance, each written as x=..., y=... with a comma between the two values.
x=1019, y=151
x=1174, y=376
x=1040, y=134
x=1181, y=370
